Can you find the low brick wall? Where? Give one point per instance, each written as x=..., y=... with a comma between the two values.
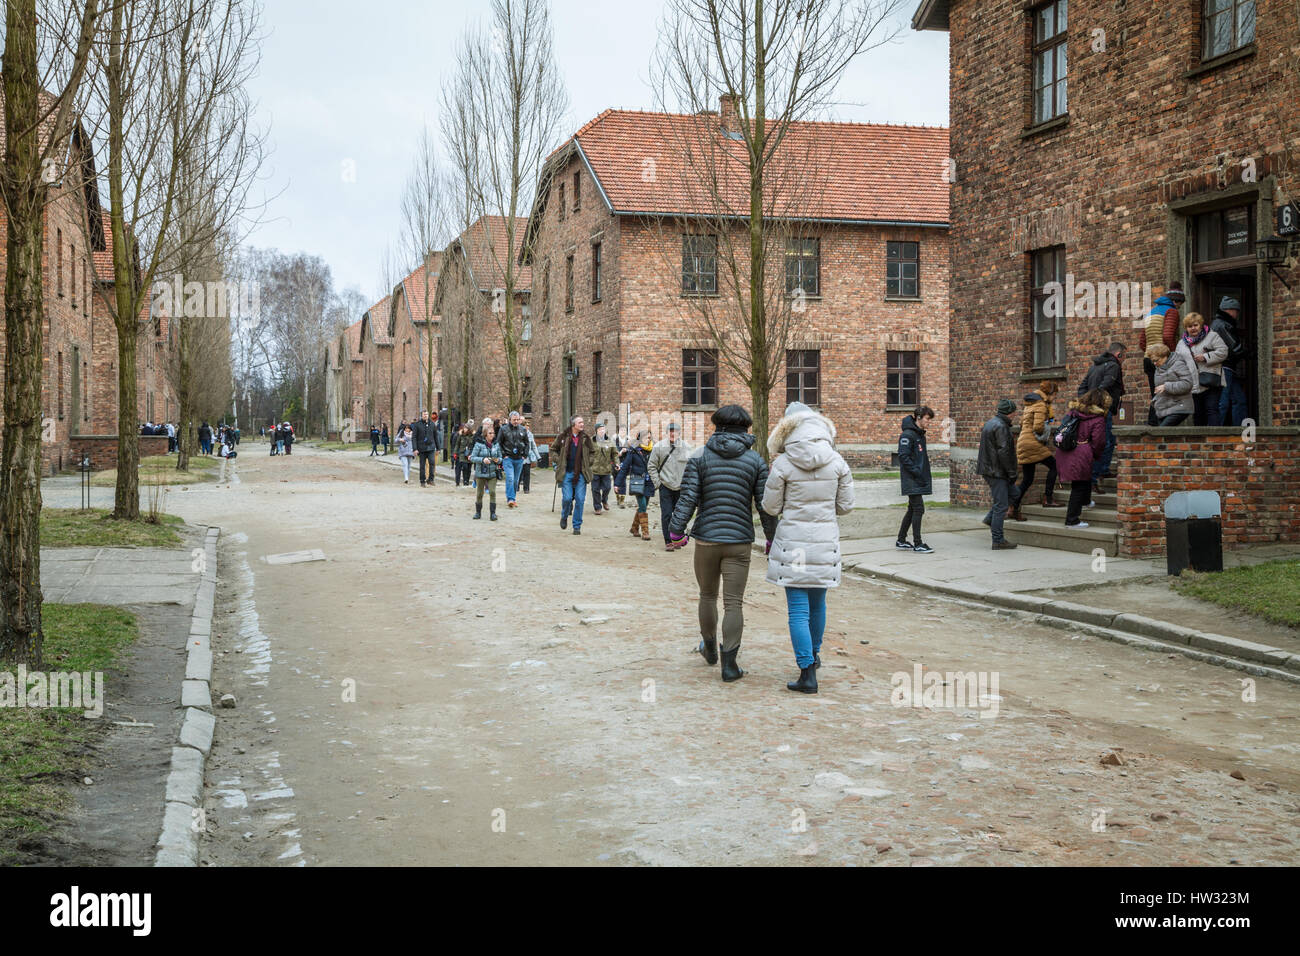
x=1258, y=482
x=102, y=449
x=881, y=457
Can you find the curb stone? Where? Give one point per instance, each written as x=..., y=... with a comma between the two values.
x=178, y=844
x=1135, y=630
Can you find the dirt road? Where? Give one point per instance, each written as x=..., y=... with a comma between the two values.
x=428, y=695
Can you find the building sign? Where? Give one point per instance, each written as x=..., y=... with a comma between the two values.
x=1288, y=220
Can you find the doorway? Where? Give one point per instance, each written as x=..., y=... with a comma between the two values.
x=1212, y=288
x=570, y=402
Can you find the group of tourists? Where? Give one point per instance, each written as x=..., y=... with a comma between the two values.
x=1194, y=369
x=220, y=440
x=421, y=438
x=281, y=437
x=710, y=495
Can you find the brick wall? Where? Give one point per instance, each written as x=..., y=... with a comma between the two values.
x=641, y=323
x=1258, y=483
x=102, y=450
x=1147, y=131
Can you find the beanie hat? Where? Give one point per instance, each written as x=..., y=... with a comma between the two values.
x=1006, y=406
x=796, y=408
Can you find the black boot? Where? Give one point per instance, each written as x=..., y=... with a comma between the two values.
x=807, y=682
x=817, y=660
x=730, y=671
x=492, y=511
x=709, y=651
x=478, y=512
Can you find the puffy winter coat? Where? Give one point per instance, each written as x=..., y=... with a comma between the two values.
x=808, y=486
x=1076, y=465
x=405, y=447
x=914, y=460
x=1029, y=450
x=1107, y=374
x=480, y=455
x=1179, y=378
x=724, y=481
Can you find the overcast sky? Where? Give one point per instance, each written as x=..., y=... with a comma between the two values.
x=353, y=83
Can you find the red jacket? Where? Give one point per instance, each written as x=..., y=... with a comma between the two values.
x=1076, y=465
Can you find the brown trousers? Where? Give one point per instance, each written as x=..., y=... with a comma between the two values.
x=728, y=563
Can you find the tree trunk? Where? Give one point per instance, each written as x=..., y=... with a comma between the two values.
x=21, y=637
x=184, y=383
x=758, y=331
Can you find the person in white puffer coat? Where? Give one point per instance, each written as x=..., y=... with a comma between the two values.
x=808, y=485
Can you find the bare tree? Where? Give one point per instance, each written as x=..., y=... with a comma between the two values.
x=775, y=64
x=171, y=77
x=425, y=224
x=45, y=59
x=503, y=109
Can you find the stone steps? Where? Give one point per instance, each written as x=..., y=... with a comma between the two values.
x=1054, y=534
x=1099, y=516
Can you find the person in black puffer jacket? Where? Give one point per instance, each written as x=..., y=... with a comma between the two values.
x=914, y=475
x=724, y=482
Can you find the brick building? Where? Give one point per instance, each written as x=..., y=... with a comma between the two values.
x=345, y=384
x=1104, y=145
x=619, y=245
x=79, y=365
x=413, y=332
x=375, y=346
x=468, y=302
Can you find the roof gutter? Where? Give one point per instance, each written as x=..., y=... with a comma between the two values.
x=816, y=219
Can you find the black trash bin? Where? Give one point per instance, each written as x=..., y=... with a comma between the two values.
x=1193, y=532
x=544, y=457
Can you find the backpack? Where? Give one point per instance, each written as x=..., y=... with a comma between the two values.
x=1236, y=348
x=1067, y=439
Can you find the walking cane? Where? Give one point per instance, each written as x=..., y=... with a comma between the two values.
x=553, y=494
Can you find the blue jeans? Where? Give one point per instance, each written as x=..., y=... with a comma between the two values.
x=514, y=467
x=574, y=493
x=1000, y=489
x=1102, y=464
x=807, y=612
x=1233, y=408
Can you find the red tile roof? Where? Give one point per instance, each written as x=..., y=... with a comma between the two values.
x=485, y=253
x=863, y=172
x=413, y=289
x=353, y=335
x=378, y=314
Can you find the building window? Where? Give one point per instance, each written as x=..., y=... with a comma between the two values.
x=526, y=403
x=59, y=259
x=527, y=334
x=596, y=380
x=803, y=374
x=903, y=378
x=568, y=284
x=85, y=388
x=72, y=260
x=1050, y=69
x=60, y=386
x=595, y=272
x=1225, y=234
x=699, y=265
x=803, y=259
x=546, y=388
x=1228, y=25
x=699, y=377
x=546, y=290
x=561, y=202
x=903, y=270
x=577, y=190
x=1049, y=326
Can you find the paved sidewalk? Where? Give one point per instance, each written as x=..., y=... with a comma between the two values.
x=965, y=557
x=118, y=576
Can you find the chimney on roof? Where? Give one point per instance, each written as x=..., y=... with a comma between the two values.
x=727, y=110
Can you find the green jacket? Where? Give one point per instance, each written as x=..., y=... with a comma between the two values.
x=603, y=456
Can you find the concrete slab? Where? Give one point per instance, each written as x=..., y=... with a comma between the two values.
x=295, y=557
